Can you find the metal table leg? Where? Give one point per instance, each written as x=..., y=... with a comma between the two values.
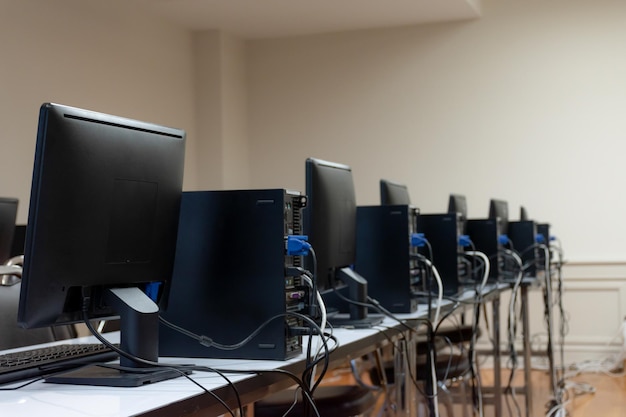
x=497, y=377
x=527, y=352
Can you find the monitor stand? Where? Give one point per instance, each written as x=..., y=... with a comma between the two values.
x=357, y=291
x=139, y=325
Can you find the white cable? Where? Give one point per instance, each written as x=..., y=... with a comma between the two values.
x=515, y=256
x=433, y=371
x=606, y=366
x=320, y=302
x=439, y=291
x=11, y=269
x=558, y=410
x=511, y=325
x=555, y=389
x=485, y=259
x=319, y=341
x=473, y=363
x=433, y=374
x=556, y=245
x=483, y=283
x=516, y=285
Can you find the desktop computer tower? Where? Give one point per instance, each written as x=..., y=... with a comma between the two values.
x=543, y=229
x=385, y=257
x=230, y=275
x=442, y=232
x=484, y=235
x=522, y=235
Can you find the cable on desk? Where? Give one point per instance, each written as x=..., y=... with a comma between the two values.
x=220, y=372
x=25, y=384
x=180, y=368
x=206, y=341
x=313, y=325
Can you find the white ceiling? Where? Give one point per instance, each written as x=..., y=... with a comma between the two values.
x=278, y=18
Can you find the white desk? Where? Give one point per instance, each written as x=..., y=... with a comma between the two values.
x=173, y=396
x=180, y=396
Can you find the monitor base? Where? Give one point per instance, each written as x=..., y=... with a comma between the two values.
x=105, y=376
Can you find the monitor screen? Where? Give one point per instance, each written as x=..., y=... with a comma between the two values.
x=102, y=221
x=8, y=214
x=393, y=194
x=500, y=209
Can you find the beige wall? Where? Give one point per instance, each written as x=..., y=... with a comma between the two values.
x=526, y=104
x=76, y=53
x=221, y=111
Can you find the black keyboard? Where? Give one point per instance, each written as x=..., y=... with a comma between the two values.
x=38, y=362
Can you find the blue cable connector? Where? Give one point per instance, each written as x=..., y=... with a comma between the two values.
x=465, y=241
x=418, y=240
x=297, y=245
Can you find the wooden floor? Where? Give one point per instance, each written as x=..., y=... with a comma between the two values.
x=608, y=400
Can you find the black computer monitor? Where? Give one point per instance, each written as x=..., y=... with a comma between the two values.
x=499, y=209
x=8, y=214
x=330, y=224
x=19, y=237
x=523, y=214
x=102, y=226
x=393, y=194
x=457, y=203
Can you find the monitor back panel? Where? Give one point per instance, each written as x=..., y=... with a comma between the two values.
x=19, y=239
x=8, y=214
x=229, y=275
